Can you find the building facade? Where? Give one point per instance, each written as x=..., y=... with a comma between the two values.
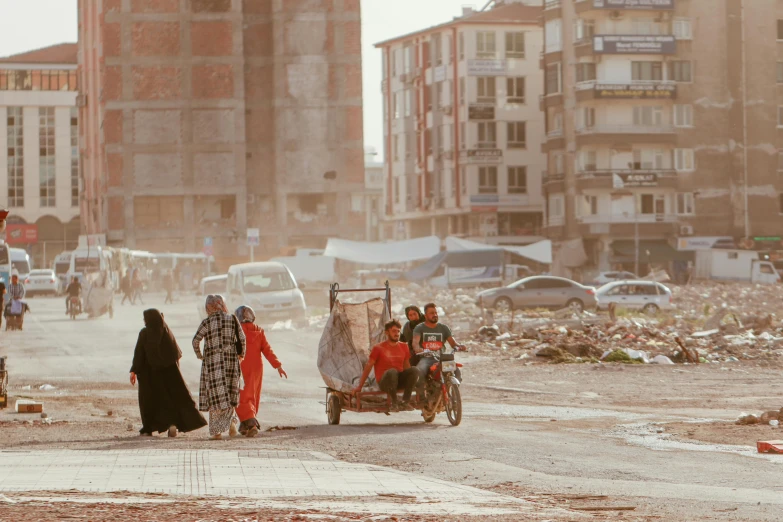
x=39, y=167
x=663, y=126
x=206, y=117
x=463, y=129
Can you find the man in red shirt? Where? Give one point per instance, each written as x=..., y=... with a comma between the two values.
x=393, y=371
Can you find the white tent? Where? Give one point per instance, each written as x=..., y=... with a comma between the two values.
x=540, y=252
x=383, y=253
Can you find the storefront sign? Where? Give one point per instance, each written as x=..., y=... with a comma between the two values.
x=634, y=4
x=633, y=180
x=486, y=67
x=482, y=156
x=634, y=44
x=481, y=112
x=636, y=91
x=703, y=243
x=21, y=234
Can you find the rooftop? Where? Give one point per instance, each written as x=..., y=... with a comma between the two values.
x=64, y=53
x=504, y=14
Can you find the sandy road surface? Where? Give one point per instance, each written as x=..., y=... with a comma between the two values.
x=553, y=434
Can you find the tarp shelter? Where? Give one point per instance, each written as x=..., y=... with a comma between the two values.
x=350, y=333
x=383, y=253
x=540, y=252
x=659, y=252
x=458, y=259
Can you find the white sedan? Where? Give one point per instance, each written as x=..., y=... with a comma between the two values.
x=648, y=296
x=41, y=282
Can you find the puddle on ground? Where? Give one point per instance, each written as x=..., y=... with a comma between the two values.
x=647, y=436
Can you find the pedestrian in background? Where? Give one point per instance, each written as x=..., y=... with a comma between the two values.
x=136, y=286
x=224, y=348
x=165, y=403
x=168, y=286
x=253, y=371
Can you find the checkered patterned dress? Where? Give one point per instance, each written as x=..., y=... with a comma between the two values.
x=220, y=371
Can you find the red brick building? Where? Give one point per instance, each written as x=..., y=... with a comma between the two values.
x=205, y=117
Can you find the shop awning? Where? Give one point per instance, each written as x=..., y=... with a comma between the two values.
x=383, y=253
x=540, y=252
x=660, y=251
x=460, y=259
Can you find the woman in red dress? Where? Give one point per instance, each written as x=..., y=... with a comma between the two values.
x=253, y=371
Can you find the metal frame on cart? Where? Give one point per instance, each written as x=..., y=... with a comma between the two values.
x=353, y=401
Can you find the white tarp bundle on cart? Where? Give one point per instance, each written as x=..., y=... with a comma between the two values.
x=350, y=333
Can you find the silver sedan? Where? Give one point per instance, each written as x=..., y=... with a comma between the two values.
x=539, y=292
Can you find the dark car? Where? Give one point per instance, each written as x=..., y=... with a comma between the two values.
x=540, y=292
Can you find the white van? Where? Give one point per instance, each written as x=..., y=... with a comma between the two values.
x=20, y=260
x=269, y=288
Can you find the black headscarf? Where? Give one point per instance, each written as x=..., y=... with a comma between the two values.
x=160, y=346
x=411, y=325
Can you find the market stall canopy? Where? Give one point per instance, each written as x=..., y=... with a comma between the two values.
x=383, y=253
x=540, y=252
x=456, y=259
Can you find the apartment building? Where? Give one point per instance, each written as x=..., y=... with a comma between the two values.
x=663, y=126
x=207, y=117
x=39, y=167
x=462, y=126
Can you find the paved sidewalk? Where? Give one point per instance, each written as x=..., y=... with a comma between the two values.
x=249, y=475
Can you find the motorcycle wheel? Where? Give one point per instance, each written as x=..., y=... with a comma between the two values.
x=454, y=405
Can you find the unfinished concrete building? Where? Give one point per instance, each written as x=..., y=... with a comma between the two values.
x=203, y=118
x=664, y=121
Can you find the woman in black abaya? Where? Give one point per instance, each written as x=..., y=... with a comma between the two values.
x=164, y=399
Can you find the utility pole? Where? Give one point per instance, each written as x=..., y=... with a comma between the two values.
x=636, y=243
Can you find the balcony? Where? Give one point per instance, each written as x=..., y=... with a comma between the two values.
x=621, y=5
x=626, y=178
x=609, y=134
x=634, y=90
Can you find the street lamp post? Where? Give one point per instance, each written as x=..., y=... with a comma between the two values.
x=636, y=243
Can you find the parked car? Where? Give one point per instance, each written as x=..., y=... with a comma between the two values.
x=610, y=277
x=41, y=282
x=540, y=292
x=648, y=296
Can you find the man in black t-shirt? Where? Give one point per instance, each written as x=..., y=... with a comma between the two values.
x=429, y=337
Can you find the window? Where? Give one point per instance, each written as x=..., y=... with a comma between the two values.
x=517, y=180
x=488, y=180
x=558, y=163
x=485, y=44
x=463, y=136
x=646, y=26
x=556, y=206
x=780, y=161
x=553, y=30
x=553, y=78
x=47, y=173
x=461, y=46
x=584, y=30
x=515, y=45
x=557, y=122
x=516, y=134
x=397, y=105
x=682, y=29
x=585, y=72
x=74, y=157
x=396, y=190
x=439, y=134
x=648, y=116
x=15, y=136
x=396, y=147
x=487, y=92
x=780, y=72
x=780, y=115
x=437, y=49
x=683, y=115
x=589, y=205
x=780, y=29
x=780, y=203
x=438, y=101
x=648, y=159
x=428, y=141
x=515, y=90
x=685, y=204
x=683, y=160
x=410, y=144
x=407, y=98
x=393, y=63
x=462, y=91
x=588, y=160
x=652, y=204
x=647, y=71
x=453, y=178
x=585, y=118
x=487, y=135
x=450, y=47
x=38, y=80
x=407, y=58
x=680, y=71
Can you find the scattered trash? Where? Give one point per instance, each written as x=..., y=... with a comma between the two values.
x=44, y=416
x=282, y=325
x=281, y=428
x=661, y=359
x=774, y=423
x=28, y=406
x=770, y=446
x=47, y=387
x=26, y=388
x=7, y=500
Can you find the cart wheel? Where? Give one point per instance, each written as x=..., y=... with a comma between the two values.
x=333, y=409
x=454, y=405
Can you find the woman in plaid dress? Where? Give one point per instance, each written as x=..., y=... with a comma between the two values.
x=220, y=370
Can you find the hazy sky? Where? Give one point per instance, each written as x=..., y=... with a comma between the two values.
x=30, y=24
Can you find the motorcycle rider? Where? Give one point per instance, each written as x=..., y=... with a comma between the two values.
x=430, y=337
x=74, y=290
x=415, y=318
